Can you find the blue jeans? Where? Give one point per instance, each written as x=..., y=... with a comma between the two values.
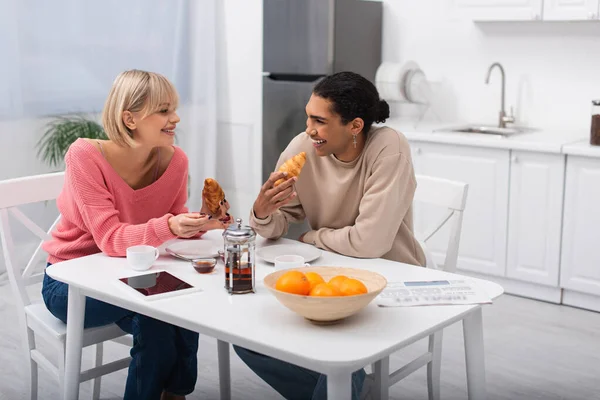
x=291, y=381
x=164, y=356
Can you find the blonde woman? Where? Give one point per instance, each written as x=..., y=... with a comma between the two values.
x=128, y=190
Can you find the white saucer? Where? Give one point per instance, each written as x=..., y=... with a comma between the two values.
x=269, y=253
x=193, y=250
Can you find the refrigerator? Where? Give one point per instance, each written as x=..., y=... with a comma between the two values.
x=304, y=40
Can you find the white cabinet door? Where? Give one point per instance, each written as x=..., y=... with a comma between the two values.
x=535, y=215
x=580, y=264
x=483, y=238
x=570, y=10
x=499, y=10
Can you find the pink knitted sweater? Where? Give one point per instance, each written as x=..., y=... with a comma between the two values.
x=102, y=213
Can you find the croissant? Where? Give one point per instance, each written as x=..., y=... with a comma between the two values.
x=213, y=195
x=293, y=166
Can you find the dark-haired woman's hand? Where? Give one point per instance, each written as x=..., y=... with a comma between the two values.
x=272, y=197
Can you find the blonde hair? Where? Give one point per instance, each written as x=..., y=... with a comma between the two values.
x=135, y=91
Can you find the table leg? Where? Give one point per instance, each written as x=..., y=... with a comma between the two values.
x=381, y=372
x=435, y=365
x=474, y=355
x=224, y=370
x=339, y=386
x=74, y=341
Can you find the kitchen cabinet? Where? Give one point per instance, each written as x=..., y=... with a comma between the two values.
x=528, y=10
x=535, y=217
x=570, y=10
x=580, y=264
x=484, y=230
x=532, y=219
x=499, y=10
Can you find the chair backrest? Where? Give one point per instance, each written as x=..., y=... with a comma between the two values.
x=13, y=194
x=452, y=196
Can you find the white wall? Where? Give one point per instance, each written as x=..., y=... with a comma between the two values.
x=239, y=65
x=552, y=69
x=17, y=147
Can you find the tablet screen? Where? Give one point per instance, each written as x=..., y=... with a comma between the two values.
x=154, y=283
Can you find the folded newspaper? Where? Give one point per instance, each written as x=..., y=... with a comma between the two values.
x=427, y=293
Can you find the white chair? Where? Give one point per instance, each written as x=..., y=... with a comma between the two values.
x=452, y=196
x=34, y=318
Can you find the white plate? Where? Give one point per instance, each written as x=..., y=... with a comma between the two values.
x=269, y=253
x=193, y=250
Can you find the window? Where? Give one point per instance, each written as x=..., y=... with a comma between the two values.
x=62, y=56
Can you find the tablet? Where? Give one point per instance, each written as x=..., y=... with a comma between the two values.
x=154, y=285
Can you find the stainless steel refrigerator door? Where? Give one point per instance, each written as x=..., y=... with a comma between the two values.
x=284, y=117
x=298, y=36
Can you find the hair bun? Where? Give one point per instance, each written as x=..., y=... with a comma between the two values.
x=382, y=111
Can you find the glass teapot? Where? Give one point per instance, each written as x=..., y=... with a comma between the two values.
x=240, y=245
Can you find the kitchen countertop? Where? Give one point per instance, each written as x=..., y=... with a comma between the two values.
x=546, y=141
x=582, y=148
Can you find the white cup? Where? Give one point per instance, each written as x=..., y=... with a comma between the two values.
x=289, y=261
x=140, y=258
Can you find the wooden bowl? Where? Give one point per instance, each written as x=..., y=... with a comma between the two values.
x=328, y=309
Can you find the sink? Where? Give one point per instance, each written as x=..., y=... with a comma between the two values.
x=486, y=130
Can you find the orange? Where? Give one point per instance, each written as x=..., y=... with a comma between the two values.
x=351, y=287
x=325, y=290
x=337, y=281
x=314, y=279
x=293, y=282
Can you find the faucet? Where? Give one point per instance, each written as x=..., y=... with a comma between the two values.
x=503, y=118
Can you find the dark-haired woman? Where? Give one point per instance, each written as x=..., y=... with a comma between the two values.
x=356, y=190
x=357, y=186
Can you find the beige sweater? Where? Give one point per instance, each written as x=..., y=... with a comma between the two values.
x=361, y=208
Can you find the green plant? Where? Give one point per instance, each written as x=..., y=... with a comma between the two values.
x=62, y=132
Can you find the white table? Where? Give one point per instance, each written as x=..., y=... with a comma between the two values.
x=260, y=323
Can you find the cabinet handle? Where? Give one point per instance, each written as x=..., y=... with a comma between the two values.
x=536, y=17
x=592, y=15
x=514, y=159
x=418, y=150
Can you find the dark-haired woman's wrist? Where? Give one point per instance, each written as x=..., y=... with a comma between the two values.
x=260, y=217
x=309, y=237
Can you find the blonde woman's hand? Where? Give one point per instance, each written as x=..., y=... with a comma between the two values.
x=189, y=224
x=271, y=197
x=221, y=213
x=227, y=220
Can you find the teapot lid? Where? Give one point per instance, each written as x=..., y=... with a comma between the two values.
x=238, y=232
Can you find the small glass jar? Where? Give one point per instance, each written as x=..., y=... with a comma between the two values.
x=239, y=258
x=595, y=128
